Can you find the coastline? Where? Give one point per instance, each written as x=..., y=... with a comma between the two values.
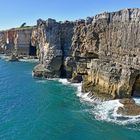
x=84, y=52
x=23, y=59
x=104, y=110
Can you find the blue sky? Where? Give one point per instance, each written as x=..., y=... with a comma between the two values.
x=14, y=12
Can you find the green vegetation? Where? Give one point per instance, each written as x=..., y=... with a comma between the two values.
x=19, y=28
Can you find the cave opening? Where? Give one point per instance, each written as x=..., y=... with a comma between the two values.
x=136, y=87
x=63, y=73
x=32, y=50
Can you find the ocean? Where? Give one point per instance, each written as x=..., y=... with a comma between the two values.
x=37, y=109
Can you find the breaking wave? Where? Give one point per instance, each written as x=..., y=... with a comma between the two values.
x=107, y=110
x=66, y=82
x=104, y=110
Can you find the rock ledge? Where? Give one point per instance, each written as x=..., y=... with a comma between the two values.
x=130, y=108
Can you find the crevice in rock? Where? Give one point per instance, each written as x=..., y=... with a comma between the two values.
x=98, y=41
x=62, y=69
x=32, y=50
x=136, y=87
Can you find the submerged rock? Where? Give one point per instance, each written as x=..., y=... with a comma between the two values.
x=38, y=71
x=13, y=58
x=130, y=108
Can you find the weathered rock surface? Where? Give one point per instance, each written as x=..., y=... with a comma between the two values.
x=53, y=40
x=130, y=108
x=13, y=57
x=107, y=46
x=17, y=41
x=38, y=70
x=102, y=51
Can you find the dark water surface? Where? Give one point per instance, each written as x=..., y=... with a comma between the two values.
x=33, y=109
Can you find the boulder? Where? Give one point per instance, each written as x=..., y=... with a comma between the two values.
x=13, y=58
x=129, y=108
x=38, y=71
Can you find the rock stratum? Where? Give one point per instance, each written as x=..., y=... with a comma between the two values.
x=102, y=52
x=17, y=41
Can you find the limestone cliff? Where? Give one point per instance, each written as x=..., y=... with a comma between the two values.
x=16, y=40
x=53, y=40
x=102, y=51
x=110, y=44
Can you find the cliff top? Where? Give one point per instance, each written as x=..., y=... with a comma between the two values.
x=128, y=14
x=19, y=28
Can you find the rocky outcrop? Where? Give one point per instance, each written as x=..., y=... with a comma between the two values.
x=16, y=41
x=38, y=71
x=53, y=40
x=102, y=52
x=130, y=108
x=109, y=45
x=13, y=58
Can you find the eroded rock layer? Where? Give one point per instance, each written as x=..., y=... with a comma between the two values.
x=102, y=52
x=16, y=41
x=53, y=40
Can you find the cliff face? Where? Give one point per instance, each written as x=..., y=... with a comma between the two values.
x=53, y=41
x=102, y=51
x=110, y=42
x=16, y=41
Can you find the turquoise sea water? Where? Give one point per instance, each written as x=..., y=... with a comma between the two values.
x=34, y=109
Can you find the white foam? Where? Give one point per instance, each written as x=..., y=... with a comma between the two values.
x=2, y=56
x=103, y=111
x=137, y=100
x=64, y=81
x=29, y=60
x=107, y=111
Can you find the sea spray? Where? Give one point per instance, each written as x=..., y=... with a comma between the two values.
x=104, y=110
x=101, y=110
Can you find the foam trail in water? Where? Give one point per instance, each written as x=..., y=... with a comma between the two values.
x=107, y=110
x=64, y=81
x=2, y=56
x=103, y=111
x=29, y=60
x=41, y=81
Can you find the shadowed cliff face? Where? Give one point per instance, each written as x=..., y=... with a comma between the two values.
x=102, y=51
